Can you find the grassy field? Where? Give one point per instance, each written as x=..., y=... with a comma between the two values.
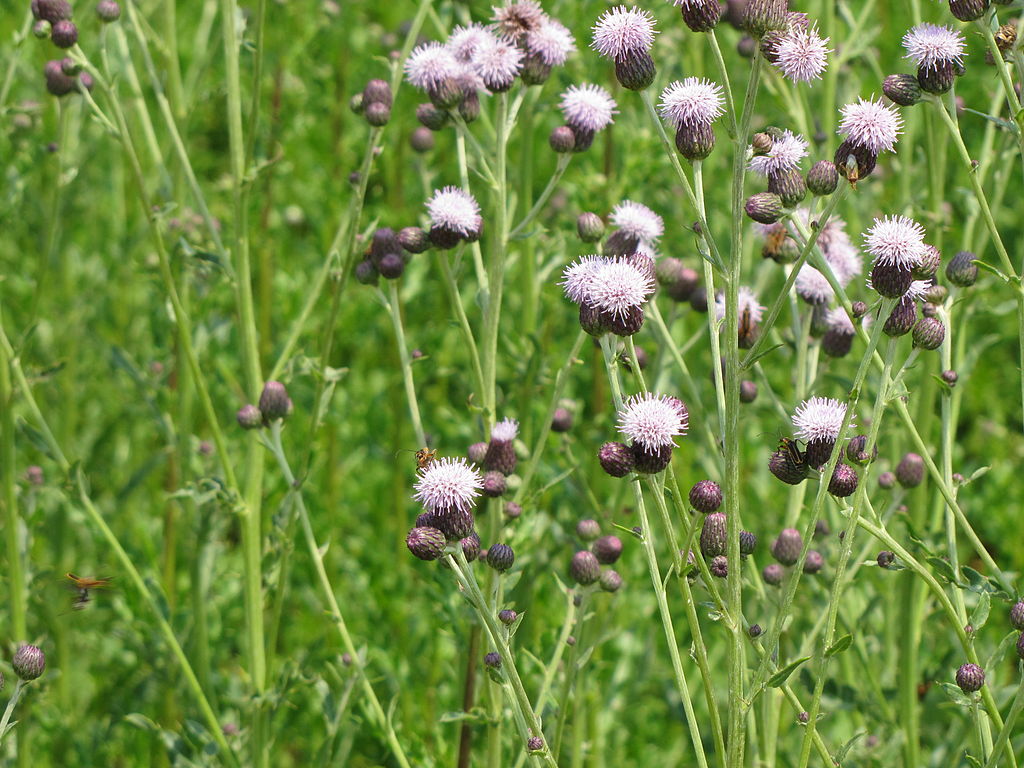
x=189, y=229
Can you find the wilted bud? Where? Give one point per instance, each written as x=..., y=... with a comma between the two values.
x=28, y=662
x=584, y=568
x=823, y=178
x=274, y=401
x=902, y=89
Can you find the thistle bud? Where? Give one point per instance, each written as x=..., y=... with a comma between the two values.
x=28, y=662
x=961, y=269
x=431, y=117
x=377, y=92
x=887, y=480
x=108, y=11
x=764, y=15
x=859, y=309
x=755, y=630
x=507, y=617
x=713, y=535
x=469, y=107
x=678, y=281
x=968, y=10
x=970, y=677
x=950, y=377
x=356, y=104
x=41, y=29
x=788, y=185
x=561, y=420
x=764, y=207
x=901, y=320
x=910, y=471
x=562, y=139
x=494, y=484
x=588, y=529
x=748, y=389
x=57, y=83
x=476, y=452
x=607, y=549
x=455, y=524
x=470, y=546
x=719, y=566
x=590, y=227
x=274, y=401
x=937, y=78
x=413, y=240
x=761, y=143
x=701, y=15
x=500, y=557
x=621, y=243
x=814, y=562
x=885, y=558
x=823, y=178
x=891, y=280
x=1017, y=615
x=534, y=744
x=493, y=660
x=748, y=542
x=584, y=568
x=929, y=333
x=844, y=481
x=616, y=459
x=635, y=70
x=391, y=266
x=773, y=574
x=706, y=496
x=425, y=543
x=249, y=417
x=902, y=89
x=377, y=114
x=695, y=141
x=936, y=294
x=610, y=580
x=51, y=10
x=651, y=463
x=856, y=450
x=421, y=140
x=787, y=546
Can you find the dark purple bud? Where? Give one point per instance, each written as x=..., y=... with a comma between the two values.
x=970, y=678
x=493, y=660
x=1017, y=615
x=616, y=459
x=823, y=178
x=28, y=662
x=64, y=34
x=773, y=574
x=714, y=535
x=651, y=463
x=844, y=481
x=561, y=420
x=885, y=558
x=431, y=117
x=562, y=139
x=584, y=568
x=507, y=617
x=494, y=484
x=706, y=496
x=425, y=543
x=748, y=542
x=719, y=566
x=788, y=185
x=607, y=549
x=961, y=270
x=814, y=562
x=513, y=510
x=274, y=401
x=377, y=91
x=787, y=546
x=535, y=744
x=500, y=557
x=929, y=333
x=108, y=11
x=470, y=546
x=635, y=70
x=910, y=471
x=755, y=630
x=748, y=389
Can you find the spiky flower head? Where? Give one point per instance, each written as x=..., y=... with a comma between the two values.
x=505, y=431
x=430, y=65
x=463, y=41
x=621, y=32
x=588, y=107
x=448, y=484
x=801, y=54
x=693, y=101
x=812, y=286
x=839, y=322
x=517, y=19
x=455, y=210
x=870, y=124
x=747, y=303
x=615, y=286
x=653, y=421
x=497, y=62
x=819, y=419
x=637, y=220
x=787, y=151
x=895, y=241
x=551, y=42
x=930, y=46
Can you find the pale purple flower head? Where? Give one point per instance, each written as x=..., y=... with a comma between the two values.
x=839, y=322
x=455, y=210
x=929, y=46
x=802, y=54
x=895, y=240
x=497, y=62
x=576, y=278
x=638, y=220
x=653, y=421
x=812, y=287
x=448, y=484
x=551, y=42
x=692, y=101
x=431, y=64
x=518, y=18
x=786, y=153
x=588, y=107
x=505, y=431
x=622, y=32
x=746, y=302
x=819, y=418
x=871, y=124
x=918, y=289
x=619, y=285
x=464, y=41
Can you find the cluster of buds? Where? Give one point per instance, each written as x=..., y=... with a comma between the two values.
x=938, y=52
x=374, y=103
x=448, y=488
x=818, y=422
x=589, y=566
x=389, y=252
x=53, y=22
x=274, y=405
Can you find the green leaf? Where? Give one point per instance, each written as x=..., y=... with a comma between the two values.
x=980, y=613
x=780, y=677
x=844, y=750
x=994, y=270
x=141, y=722
x=1002, y=123
x=751, y=359
x=475, y=715
x=839, y=646
x=955, y=694
x=977, y=582
x=945, y=570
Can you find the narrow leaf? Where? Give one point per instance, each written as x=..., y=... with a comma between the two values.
x=780, y=677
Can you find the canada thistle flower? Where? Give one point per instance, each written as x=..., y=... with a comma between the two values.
x=497, y=62
x=785, y=155
x=551, y=42
x=463, y=42
x=693, y=101
x=455, y=211
x=871, y=125
x=613, y=285
x=448, y=484
x=637, y=220
x=653, y=421
x=747, y=302
x=819, y=419
x=930, y=46
x=587, y=107
x=801, y=54
x=430, y=65
x=517, y=19
x=895, y=241
x=812, y=286
x=621, y=32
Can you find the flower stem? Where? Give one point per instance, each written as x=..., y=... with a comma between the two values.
x=560, y=167
x=394, y=307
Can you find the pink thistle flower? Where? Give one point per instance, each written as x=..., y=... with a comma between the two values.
x=786, y=153
x=454, y=210
x=839, y=322
x=871, y=124
x=918, y=289
x=802, y=54
x=620, y=32
x=692, y=101
x=746, y=302
x=429, y=65
x=812, y=286
x=929, y=46
x=618, y=286
x=505, y=431
x=516, y=19
x=819, y=419
x=551, y=43
x=497, y=62
x=638, y=220
x=895, y=241
x=587, y=107
x=577, y=277
x=653, y=421
x=448, y=484
x=464, y=41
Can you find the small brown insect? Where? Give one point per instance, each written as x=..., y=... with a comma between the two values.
x=425, y=457
x=82, y=585
x=793, y=453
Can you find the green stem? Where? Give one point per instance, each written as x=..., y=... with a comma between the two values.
x=1003, y=737
x=394, y=307
x=455, y=299
x=12, y=520
x=560, y=167
x=19, y=688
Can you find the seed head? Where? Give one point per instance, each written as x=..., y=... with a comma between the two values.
x=819, y=418
x=620, y=32
x=584, y=569
x=787, y=546
x=607, y=549
x=870, y=124
x=448, y=484
x=426, y=543
x=693, y=101
x=970, y=678
x=706, y=496
x=929, y=46
x=801, y=54
x=28, y=662
x=587, y=107
x=653, y=421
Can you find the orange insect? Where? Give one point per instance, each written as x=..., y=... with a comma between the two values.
x=425, y=457
x=82, y=584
